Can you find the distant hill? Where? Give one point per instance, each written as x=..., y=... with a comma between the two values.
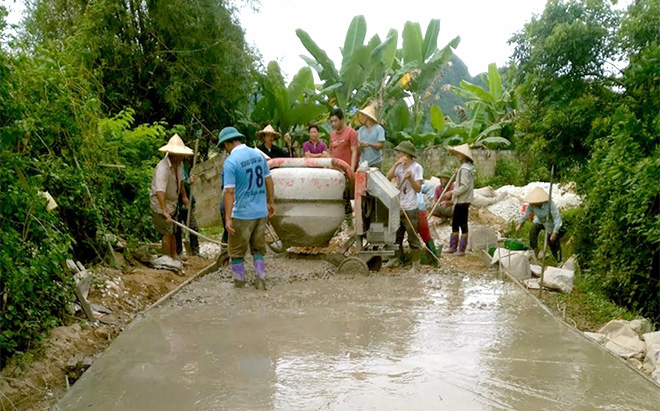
x=453, y=75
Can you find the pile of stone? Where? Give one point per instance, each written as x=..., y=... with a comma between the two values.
x=633, y=340
x=509, y=207
x=522, y=266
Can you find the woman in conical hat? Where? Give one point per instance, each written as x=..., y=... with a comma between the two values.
x=462, y=197
x=546, y=217
x=166, y=185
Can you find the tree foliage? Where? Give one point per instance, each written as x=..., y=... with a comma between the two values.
x=178, y=60
x=86, y=84
x=600, y=127
x=562, y=77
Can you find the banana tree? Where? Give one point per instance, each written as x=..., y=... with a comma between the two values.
x=286, y=107
x=490, y=118
x=497, y=103
x=363, y=66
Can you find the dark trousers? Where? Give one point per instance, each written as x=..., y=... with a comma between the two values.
x=194, y=241
x=460, y=218
x=405, y=227
x=534, y=240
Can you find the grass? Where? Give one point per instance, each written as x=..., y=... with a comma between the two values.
x=214, y=231
x=587, y=308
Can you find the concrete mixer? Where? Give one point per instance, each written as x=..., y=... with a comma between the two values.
x=310, y=209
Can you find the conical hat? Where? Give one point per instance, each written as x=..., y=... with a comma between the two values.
x=176, y=146
x=268, y=130
x=538, y=195
x=462, y=149
x=370, y=111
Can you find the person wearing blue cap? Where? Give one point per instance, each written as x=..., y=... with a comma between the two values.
x=248, y=197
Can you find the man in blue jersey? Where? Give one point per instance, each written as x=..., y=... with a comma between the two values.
x=248, y=197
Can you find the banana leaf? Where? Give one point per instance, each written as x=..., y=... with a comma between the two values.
x=437, y=118
x=329, y=71
x=431, y=39
x=493, y=140
x=354, y=36
x=303, y=80
x=412, y=43
x=494, y=81
x=312, y=63
x=304, y=113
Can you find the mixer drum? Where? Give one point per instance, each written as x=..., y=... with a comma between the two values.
x=309, y=205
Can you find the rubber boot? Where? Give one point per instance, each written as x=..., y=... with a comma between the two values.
x=462, y=245
x=416, y=257
x=453, y=242
x=260, y=272
x=394, y=261
x=431, y=246
x=238, y=268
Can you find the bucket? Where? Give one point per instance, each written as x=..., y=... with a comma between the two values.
x=514, y=245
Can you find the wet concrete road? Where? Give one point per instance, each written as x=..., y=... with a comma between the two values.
x=401, y=342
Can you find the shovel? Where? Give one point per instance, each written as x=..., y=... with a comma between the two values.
x=186, y=241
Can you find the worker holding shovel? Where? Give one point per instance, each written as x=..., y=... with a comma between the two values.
x=409, y=175
x=166, y=185
x=546, y=217
x=182, y=216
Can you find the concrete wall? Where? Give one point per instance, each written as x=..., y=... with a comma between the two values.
x=437, y=159
x=207, y=191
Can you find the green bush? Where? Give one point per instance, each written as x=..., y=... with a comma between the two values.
x=34, y=245
x=620, y=231
x=508, y=171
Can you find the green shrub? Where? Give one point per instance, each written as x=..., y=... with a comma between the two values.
x=508, y=171
x=34, y=245
x=620, y=231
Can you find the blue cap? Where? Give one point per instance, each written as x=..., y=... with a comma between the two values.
x=228, y=133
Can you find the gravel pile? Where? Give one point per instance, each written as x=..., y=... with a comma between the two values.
x=208, y=249
x=510, y=207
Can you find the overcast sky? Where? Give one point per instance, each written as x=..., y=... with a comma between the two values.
x=484, y=25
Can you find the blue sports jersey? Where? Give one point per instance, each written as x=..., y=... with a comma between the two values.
x=245, y=170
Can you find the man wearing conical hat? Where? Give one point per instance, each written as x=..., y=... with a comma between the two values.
x=371, y=137
x=166, y=185
x=546, y=217
x=268, y=136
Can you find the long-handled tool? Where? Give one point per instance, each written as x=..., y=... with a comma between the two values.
x=190, y=230
x=419, y=237
x=186, y=241
x=545, y=232
x=435, y=205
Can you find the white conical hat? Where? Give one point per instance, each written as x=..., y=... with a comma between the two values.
x=370, y=111
x=268, y=130
x=462, y=149
x=176, y=146
x=538, y=195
